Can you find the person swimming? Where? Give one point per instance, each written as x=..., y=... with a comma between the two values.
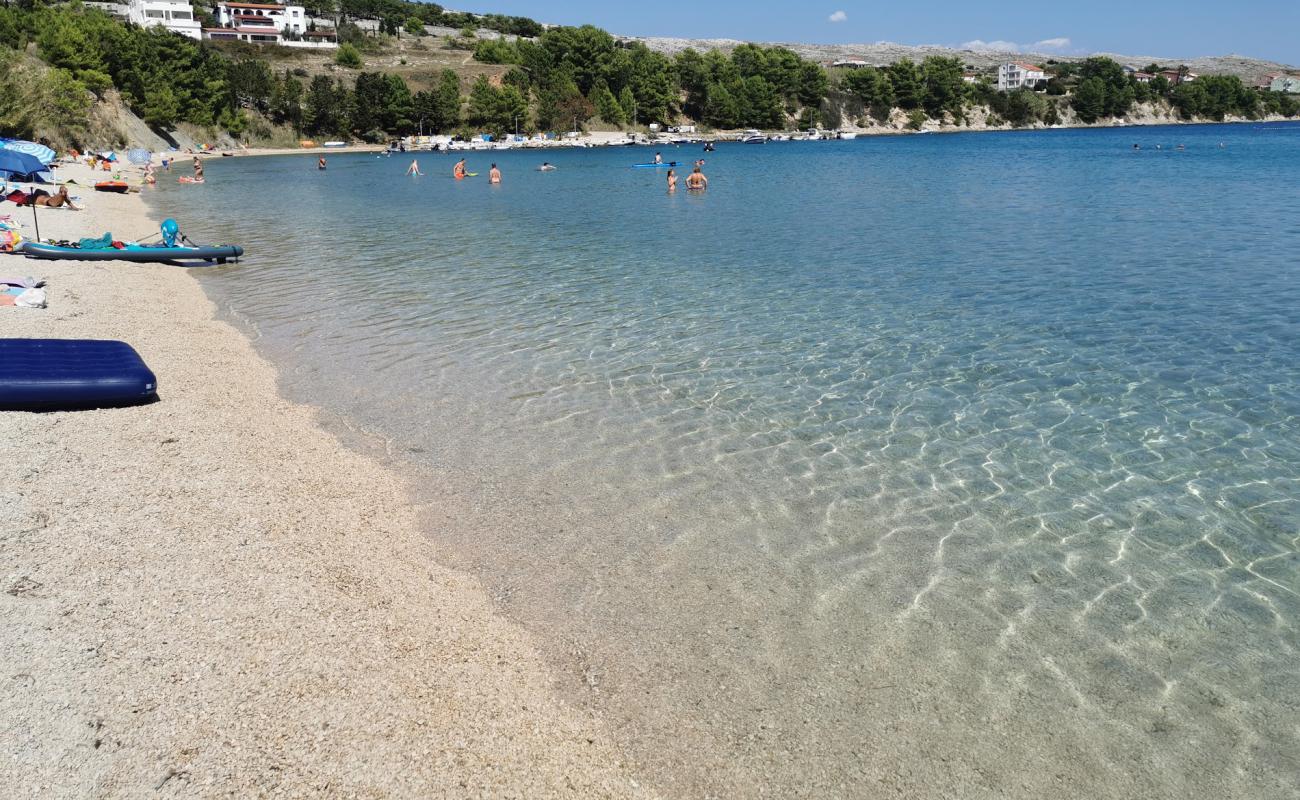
x=672, y=181
x=696, y=182
x=494, y=175
x=458, y=171
x=414, y=169
x=320, y=163
x=546, y=167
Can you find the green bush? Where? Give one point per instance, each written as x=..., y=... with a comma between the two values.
x=348, y=56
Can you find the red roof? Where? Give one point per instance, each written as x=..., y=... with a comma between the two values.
x=272, y=6
x=1023, y=65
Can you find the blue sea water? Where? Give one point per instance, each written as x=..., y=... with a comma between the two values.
x=950, y=465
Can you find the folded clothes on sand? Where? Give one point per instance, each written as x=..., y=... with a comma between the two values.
x=23, y=298
x=24, y=283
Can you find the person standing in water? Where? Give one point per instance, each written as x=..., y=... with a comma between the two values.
x=494, y=175
x=320, y=163
x=458, y=171
x=414, y=169
x=672, y=181
x=198, y=169
x=696, y=181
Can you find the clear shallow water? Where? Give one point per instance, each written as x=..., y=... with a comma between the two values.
x=951, y=465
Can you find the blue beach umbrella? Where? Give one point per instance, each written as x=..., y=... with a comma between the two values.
x=16, y=162
x=39, y=151
x=139, y=156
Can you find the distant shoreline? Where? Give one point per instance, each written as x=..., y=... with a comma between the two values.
x=615, y=139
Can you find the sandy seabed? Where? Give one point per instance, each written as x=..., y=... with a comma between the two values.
x=211, y=596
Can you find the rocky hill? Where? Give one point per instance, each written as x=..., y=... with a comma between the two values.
x=1248, y=69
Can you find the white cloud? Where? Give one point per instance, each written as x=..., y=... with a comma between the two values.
x=997, y=45
x=1058, y=44
x=838, y=16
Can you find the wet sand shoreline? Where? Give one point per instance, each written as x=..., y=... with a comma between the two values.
x=211, y=596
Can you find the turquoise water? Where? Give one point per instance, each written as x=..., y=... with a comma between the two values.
x=946, y=465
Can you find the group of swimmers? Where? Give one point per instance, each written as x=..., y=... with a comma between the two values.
x=695, y=182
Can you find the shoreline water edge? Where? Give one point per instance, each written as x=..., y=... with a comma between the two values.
x=211, y=595
x=621, y=138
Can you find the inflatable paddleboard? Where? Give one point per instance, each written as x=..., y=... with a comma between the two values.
x=139, y=253
x=111, y=186
x=188, y=179
x=657, y=166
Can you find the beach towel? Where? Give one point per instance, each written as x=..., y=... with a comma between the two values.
x=104, y=242
x=22, y=283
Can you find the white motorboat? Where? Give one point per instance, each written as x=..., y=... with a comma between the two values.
x=846, y=135
x=752, y=136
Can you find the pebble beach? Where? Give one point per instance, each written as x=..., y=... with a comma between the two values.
x=210, y=596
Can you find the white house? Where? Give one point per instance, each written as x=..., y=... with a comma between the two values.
x=258, y=22
x=1285, y=83
x=174, y=15
x=1019, y=74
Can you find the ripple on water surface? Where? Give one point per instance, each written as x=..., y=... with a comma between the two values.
x=969, y=465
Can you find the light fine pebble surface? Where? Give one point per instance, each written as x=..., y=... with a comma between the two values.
x=211, y=596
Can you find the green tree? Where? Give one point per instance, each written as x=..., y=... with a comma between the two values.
x=161, y=107
x=495, y=51
x=414, y=26
x=943, y=87
x=905, y=79
x=286, y=102
x=761, y=107
x=873, y=88
x=627, y=101
x=1024, y=107
x=348, y=56
x=1190, y=99
x=1090, y=99
x=722, y=110
x=444, y=111
x=606, y=105
x=321, y=107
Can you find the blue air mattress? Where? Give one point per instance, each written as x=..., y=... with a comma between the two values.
x=54, y=374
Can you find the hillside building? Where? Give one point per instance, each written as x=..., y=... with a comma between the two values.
x=174, y=15
x=1018, y=75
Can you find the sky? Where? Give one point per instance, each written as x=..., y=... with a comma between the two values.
x=1256, y=28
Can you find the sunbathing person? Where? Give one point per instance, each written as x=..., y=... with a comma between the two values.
x=59, y=199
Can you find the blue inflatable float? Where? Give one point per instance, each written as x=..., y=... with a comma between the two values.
x=65, y=374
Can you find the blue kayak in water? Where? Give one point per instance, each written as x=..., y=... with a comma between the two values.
x=140, y=253
x=657, y=166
